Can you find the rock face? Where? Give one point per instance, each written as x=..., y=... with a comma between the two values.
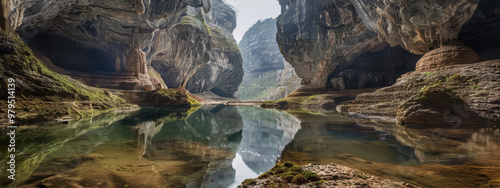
x=41, y=94
x=373, y=68
x=267, y=74
x=119, y=39
x=448, y=88
x=418, y=26
x=324, y=40
x=223, y=72
x=456, y=95
x=482, y=31
x=317, y=36
x=448, y=54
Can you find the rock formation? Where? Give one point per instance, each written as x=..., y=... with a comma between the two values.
x=267, y=74
x=223, y=72
x=481, y=32
x=317, y=36
x=41, y=94
x=115, y=43
x=448, y=87
x=457, y=95
x=418, y=26
x=322, y=39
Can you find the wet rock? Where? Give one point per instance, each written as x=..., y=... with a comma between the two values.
x=341, y=177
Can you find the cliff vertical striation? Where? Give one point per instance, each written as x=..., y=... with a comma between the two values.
x=267, y=74
x=223, y=72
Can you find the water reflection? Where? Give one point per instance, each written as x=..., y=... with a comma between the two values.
x=220, y=146
x=443, y=146
x=35, y=142
x=265, y=135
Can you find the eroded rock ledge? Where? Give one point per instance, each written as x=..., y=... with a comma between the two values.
x=144, y=45
x=457, y=95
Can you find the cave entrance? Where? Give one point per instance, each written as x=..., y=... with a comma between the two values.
x=71, y=55
x=373, y=69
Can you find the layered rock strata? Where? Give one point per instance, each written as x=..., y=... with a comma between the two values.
x=267, y=74
x=457, y=95
x=317, y=36
x=223, y=72
x=118, y=38
x=37, y=93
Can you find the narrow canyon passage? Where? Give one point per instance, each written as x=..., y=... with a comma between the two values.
x=237, y=93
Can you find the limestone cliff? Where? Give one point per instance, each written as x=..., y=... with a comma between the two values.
x=267, y=74
x=326, y=41
x=115, y=44
x=37, y=93
x=418, y=26
x=223, y=72
x=449, y=88
x=317, y=36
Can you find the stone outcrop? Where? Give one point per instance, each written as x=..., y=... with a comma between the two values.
x=324, y=39
x=449, y=88
x=456, y=95
x=223, y=72
x=41, y=94
x=448, y=54
x=267, y=74
x=317, y=36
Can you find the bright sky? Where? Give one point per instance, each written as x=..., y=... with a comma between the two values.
x=248, y=12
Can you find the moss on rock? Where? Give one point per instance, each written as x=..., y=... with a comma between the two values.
x=42, y=94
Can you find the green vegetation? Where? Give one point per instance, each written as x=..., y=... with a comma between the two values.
x=361, y=176
x=192, y=21
x=219, y=41
x=264, y=86
x=422, y=90
x=423, y=97
x=172, y=97
x=291, y=173
x=429, y=74
x=475, y=86
x=318, y=183
x=249, y=182
x=46, y=94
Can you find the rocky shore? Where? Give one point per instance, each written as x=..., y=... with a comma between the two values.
x=458, y=95
x=316, y=175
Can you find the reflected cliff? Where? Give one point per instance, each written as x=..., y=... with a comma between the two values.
x=35, y=142
x=442, y=146
x=265, y=135
x=220, y=146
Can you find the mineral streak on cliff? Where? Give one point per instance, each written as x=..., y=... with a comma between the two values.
x=267, y=74
x=223, y=72
x=115, y=43
x=323, y=37
x=317, y=36
x=418, y=26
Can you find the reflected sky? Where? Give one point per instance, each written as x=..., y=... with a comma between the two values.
x=220, y=146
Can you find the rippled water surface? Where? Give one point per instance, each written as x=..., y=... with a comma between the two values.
x=219, y=146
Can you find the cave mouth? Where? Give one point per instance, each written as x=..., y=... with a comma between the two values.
x=374, y=69
x=71, y=55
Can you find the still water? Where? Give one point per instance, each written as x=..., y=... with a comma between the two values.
x=216, y=146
